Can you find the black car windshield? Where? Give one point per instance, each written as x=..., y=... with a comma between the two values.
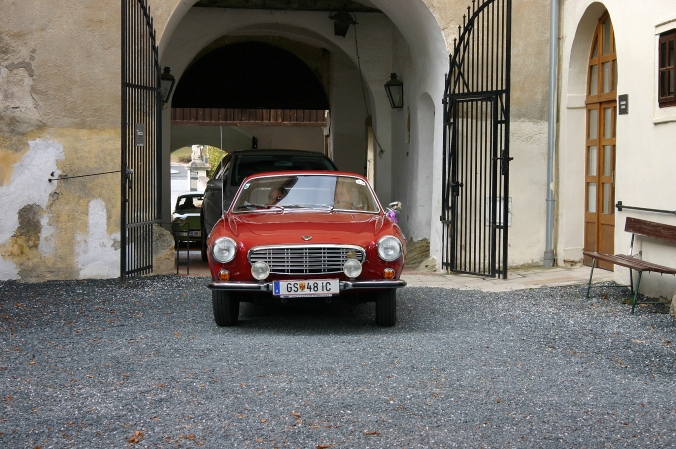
x=344, y=193
x=249, y=164
x=191, y=203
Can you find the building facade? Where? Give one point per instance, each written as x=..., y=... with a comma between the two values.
x=60, y=103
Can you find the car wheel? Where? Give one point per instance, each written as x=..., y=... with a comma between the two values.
x=203, y=242
x=386, y=307
x=226, y=308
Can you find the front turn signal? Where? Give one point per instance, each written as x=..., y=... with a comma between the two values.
x=224, y=275
x=388, y=273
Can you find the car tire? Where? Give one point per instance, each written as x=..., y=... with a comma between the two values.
x=386, y=307
x=226, y=308
x=203, y=241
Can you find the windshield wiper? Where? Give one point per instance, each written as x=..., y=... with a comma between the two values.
x=307, y=206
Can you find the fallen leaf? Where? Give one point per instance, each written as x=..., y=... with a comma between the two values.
x=373, y=432
x=296, y=414
x=324, y=446
x=136, y=437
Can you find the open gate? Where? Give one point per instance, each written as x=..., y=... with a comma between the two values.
x=141, y=134
x=476, y=204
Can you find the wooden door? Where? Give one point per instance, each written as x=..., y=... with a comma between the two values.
x=601, y=144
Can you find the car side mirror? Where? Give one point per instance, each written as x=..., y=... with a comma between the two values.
x=215, y=184
x=395, y=206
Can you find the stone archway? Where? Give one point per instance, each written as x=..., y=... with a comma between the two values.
x=406, y=39
x=572, y=138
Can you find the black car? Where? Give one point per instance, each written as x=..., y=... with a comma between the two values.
x=237, y=165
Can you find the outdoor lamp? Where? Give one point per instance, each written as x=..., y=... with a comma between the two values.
x=395, y=92
x=167, y=81
x=343, y=20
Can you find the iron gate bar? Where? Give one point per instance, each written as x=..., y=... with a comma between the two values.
x=140, y=161
x=475, y=195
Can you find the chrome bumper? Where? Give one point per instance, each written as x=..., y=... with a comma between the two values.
x=267, y=286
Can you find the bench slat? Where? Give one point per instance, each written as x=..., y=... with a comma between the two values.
x=651, y=229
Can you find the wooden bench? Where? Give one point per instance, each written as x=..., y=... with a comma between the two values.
x=642, y=228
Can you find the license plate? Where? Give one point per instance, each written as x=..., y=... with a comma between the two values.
x=321, y=287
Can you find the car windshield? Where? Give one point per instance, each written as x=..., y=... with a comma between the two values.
x=189, y=203
x=249, y=164
x=344, y=193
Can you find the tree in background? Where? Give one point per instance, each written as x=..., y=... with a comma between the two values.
x=214, y=156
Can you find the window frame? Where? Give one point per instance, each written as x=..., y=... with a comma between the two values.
x=665, y=38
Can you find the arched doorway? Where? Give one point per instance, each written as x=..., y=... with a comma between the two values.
x=601, y=111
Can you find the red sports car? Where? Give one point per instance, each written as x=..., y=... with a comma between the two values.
x=306, y=234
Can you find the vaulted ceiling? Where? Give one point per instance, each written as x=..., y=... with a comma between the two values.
x=291, y=5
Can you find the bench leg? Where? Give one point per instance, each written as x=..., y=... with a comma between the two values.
x=638, y=284
x=590, y=277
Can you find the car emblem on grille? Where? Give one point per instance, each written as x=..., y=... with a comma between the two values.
x=306, y=237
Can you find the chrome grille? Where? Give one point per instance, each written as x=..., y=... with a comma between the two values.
x=306, y=259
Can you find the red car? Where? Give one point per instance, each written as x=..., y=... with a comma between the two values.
x=299, y=234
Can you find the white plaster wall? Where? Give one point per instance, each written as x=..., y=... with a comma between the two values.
x=97, y=251
x=310, y=138
x=348, y=118
x=29, y=185
x=420, y=60
x=645, y=137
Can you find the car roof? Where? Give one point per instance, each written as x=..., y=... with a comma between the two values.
x=191, y=194
x=279, y=152
x=305, y=173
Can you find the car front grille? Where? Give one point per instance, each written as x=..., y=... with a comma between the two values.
x=306, y=259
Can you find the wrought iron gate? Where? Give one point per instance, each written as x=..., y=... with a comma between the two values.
x=476, y=204
x=141, y=134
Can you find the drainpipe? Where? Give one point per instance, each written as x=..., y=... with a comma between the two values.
x=551, y=129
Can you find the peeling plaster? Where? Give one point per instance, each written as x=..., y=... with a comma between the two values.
x=16, y=91
x=98, y=253
x=47, y=244
x=29, y=186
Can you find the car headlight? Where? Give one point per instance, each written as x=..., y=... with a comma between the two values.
x=389, y=248
x=352, y=268
x=260, y=270
x=224, y=249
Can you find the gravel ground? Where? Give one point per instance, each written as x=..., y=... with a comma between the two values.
x=96, y=364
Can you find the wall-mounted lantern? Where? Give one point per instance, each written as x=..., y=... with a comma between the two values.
x=343, y=20
x=395, y=92
x=167, y=81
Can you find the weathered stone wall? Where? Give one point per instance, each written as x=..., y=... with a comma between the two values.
x=59, y=116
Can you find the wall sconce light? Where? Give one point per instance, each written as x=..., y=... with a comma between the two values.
x=343, y=20
x=395, y=92
x=167, y=81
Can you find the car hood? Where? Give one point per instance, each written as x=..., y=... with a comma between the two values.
x=186, y=216
x=321, y=225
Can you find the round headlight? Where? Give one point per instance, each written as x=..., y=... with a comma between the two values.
x=389, y=248
x=352, y=268
x=260, y=270
x=224, y=249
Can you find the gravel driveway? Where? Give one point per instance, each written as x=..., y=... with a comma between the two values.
x=95, y=364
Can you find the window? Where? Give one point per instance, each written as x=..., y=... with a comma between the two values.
x=667, y=71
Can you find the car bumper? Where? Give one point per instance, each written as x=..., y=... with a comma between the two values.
x=344, y=285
